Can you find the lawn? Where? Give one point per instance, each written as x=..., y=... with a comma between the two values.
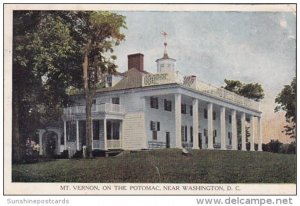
x=167, y=166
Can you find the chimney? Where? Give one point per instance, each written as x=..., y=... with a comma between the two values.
x=136, y=61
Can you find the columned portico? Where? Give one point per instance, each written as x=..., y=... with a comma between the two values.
x=195, y=124
x=210, y=125
x=223, y=128
x=178, y=121
x=243, y=130
x=234, y=130
x=259, y=133
x=252, y=137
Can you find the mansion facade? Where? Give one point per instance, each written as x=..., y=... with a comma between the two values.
x=139, y=110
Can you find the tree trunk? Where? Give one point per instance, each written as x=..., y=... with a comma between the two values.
x=88, y=107
x=88, y=112
x=16, y=156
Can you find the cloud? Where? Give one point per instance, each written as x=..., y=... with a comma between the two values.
x=283, y=23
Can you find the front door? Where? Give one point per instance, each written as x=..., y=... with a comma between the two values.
x=167, y=139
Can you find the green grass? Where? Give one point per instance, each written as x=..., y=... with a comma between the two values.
x=168, y=166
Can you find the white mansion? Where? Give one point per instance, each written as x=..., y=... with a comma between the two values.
x=139, y=110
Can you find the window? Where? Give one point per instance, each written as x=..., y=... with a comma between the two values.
x=191, y=133
x=116, y=130
x=183, y=108
x=154, y=135
x=71, y=131
x=215, y=135
x=230, y=138
x=115, y=100
x=230, y=119
x=82, y=132
x=205, y=135
x=205, y=132
x=113, y=130
x=154, y=102
x=108, y=130
x=205, y=114
x=152, y=126
x=94, y=101
x=214, y=115
x=168, y=105
x=184, y=133
x=191, y=110
x=96, y=130
x=109, y=80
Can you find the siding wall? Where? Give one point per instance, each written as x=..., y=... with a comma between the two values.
x=134, y=136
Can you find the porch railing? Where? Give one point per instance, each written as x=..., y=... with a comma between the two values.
x=106, y=108
x=193, y=83
x=111, y=144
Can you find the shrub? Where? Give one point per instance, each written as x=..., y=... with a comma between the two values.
x=31, y=151
x=78, y=154
x=64, y=155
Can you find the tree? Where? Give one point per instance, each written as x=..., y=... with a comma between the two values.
x=49, y=48
x=44, y=65
x=286, y=101
x=103, y=30
x=252, y=90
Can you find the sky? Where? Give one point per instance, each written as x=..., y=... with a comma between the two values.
x=247, y=46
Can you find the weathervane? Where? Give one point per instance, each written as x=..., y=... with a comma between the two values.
x=165, y=43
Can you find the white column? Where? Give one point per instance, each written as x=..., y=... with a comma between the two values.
x=41, y=132
x=243, y=129
x=105, y=134
x=145, y=142
x=195, y=124
x=234, y=130
x=252, y=136
x=65, y=134
x=223, y=128
x=77, y=134
x=178, y=143
x=259, y=133
x=210, y=125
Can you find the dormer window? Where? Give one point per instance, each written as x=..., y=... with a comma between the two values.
x=109, y=80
